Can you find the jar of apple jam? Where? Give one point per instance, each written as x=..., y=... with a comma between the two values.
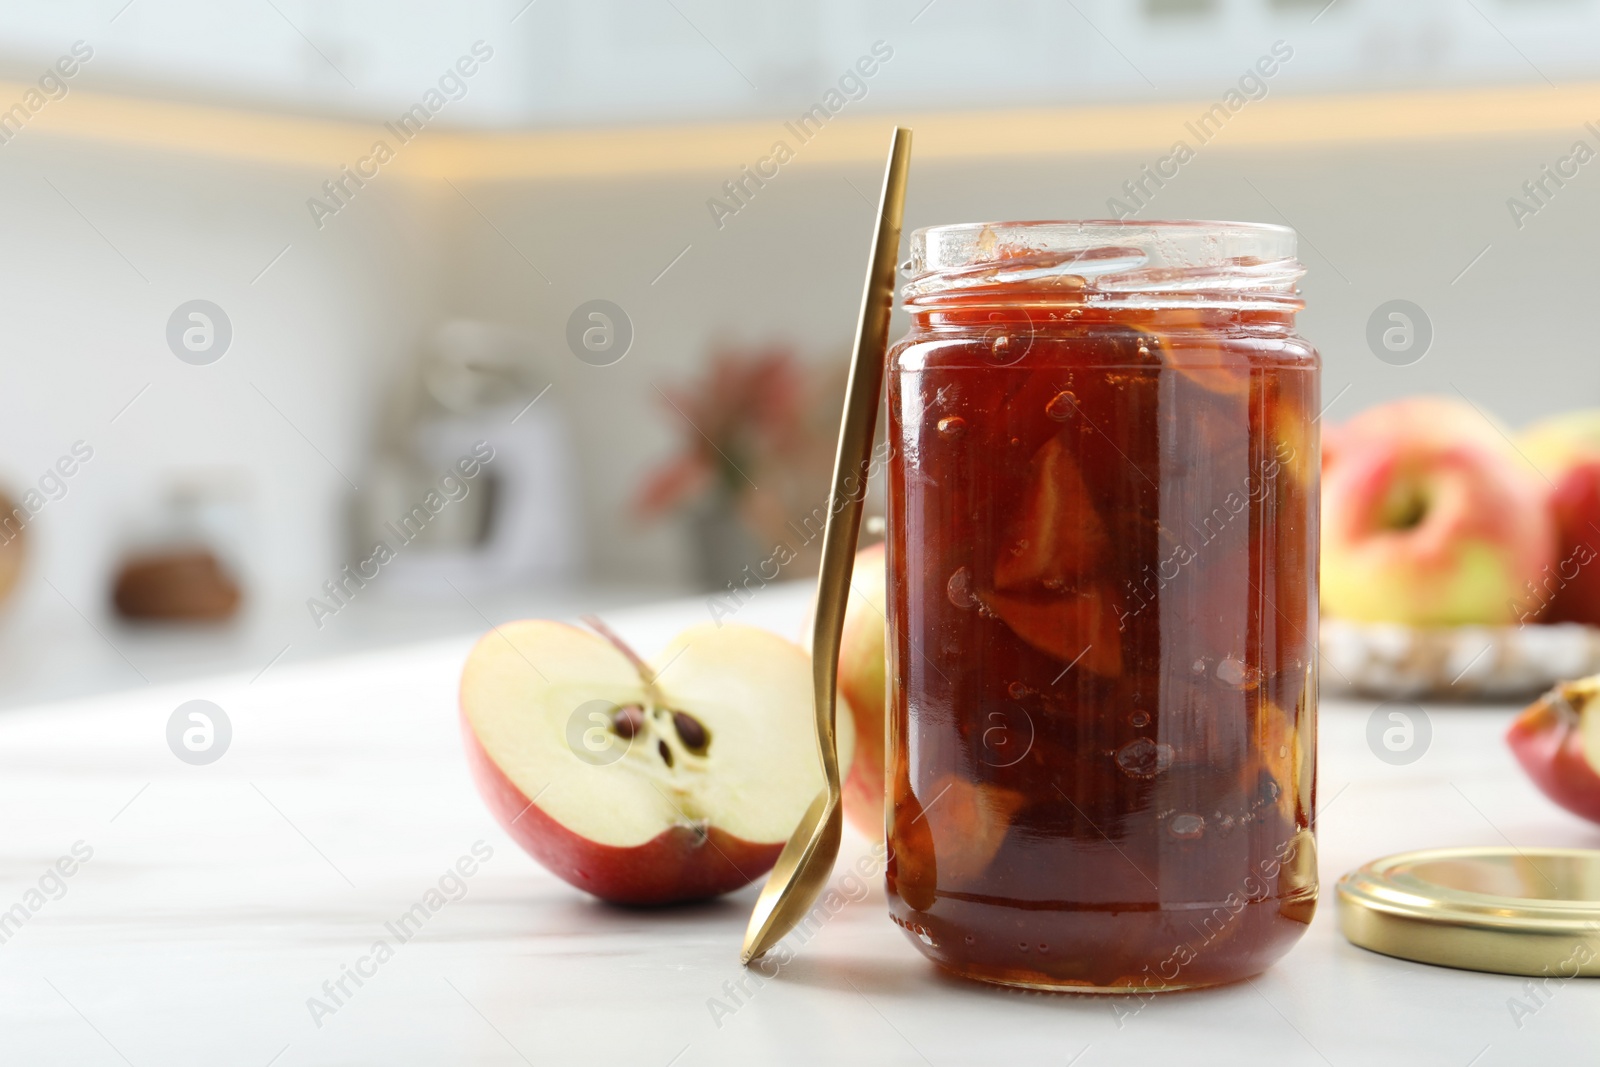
x=1103, y=590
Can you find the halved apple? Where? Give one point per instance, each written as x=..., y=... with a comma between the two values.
x=645, y=784
x=1557, y=741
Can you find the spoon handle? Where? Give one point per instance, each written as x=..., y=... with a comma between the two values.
x=803, y=867
x=862, y=394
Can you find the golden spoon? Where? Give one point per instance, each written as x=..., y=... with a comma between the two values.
x=807, y=860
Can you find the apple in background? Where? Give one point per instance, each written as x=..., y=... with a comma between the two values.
x=863, y=684
x=1439, y=420
x=1557, y=741
x=1430, y=517
x=645, y=784
x=1566, y=450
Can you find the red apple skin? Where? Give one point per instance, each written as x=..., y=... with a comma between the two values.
x=1547, y=742
x=1575, y=505
x=670, y=868
x=1436, y=420
x=1565, y=448
x=863, y=683
x=1484, y=534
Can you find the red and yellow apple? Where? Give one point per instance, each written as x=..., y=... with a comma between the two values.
x=1437, y=420
x=640, y=783
x=864, y=685
x=1430, y=517
x=1566, y=450
x=1557, y=741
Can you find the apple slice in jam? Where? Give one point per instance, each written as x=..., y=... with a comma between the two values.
x=1074, y=627
x=969, y=822
x=645, y=784
x=950, y=841
x=1057, y=536
x=1054, y=540
x=1185, y=339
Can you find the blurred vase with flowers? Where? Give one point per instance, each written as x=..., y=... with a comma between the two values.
x=751, y=473
x=13, y=547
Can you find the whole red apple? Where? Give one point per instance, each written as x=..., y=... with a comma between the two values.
x=1557, y=741
x=1566, y=450
x=1430, y=517
x=645, y=784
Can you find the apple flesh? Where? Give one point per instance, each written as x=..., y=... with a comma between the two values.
x=1429, y=517
x=645, y=784
x=1557, y=741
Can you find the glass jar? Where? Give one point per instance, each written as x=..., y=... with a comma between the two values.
x=1103, y=589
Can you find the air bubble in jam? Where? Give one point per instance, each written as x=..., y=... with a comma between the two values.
x=1187, y=825
x=1235, y=673
x=1269, y=788
x=1016, y=691
x=959, y=589
x=1000, y=348
x=1139, y=719
x=952, y=426
x=1144, y=758
x=1061, y=406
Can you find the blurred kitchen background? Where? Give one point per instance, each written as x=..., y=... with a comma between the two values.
x=244, y=343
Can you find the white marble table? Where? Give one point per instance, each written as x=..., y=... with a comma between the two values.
x=219, y=898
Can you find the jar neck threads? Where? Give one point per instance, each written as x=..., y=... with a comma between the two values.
x=1057, y=267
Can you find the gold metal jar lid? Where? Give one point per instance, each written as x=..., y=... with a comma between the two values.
x=1529, y=911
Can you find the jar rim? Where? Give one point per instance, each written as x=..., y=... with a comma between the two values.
x=1182, y=262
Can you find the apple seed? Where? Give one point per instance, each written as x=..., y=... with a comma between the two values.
x=666, y=753
x=692, y=731
x=627, y=721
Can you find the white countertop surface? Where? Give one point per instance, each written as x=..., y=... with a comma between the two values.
x=219, y=898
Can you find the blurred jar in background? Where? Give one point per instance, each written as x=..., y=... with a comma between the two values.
x=184, y=560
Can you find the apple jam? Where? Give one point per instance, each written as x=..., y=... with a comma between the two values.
x=1102, y=595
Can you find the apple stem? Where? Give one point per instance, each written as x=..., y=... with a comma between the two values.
x=646, y=675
